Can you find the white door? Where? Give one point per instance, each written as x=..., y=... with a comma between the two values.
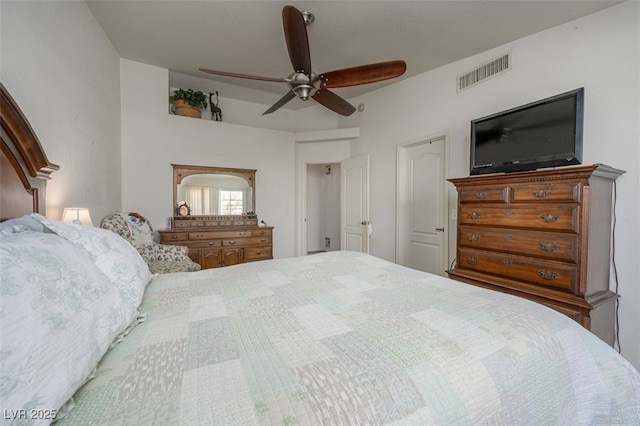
x=421, y=206
x=354, y=218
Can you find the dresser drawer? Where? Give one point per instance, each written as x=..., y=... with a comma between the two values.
x=251, y=241
x=233, y=234
x=553, y=217
x=204, y=244
x=171, y=237
x=557, y=192
x=207, y=235
x=181, y=224
x=556, y=246
x=486, y=195
x=555, y=275
x=262, y=233
x=257, y=253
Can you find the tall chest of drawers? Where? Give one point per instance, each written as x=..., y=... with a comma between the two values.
x=217, y=246
x=544, y=235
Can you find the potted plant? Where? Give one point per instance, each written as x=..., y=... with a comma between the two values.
x=188, y=102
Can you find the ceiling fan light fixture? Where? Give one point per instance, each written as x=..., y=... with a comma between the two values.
x=304, y=91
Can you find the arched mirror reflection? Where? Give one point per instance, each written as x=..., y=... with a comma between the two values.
x=213, y=191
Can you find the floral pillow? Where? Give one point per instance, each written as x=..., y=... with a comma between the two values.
x=141, y=232
x=59, y=314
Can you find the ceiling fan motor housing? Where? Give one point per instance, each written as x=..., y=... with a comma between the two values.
x=303, y=85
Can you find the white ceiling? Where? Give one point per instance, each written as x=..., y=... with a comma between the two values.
x=246, y=36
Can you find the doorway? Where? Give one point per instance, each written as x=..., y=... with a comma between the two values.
x=323, y=207
x=421, y=205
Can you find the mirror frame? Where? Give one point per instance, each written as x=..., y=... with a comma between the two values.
x=181, y=171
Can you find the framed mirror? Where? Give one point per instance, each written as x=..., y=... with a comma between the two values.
x=213, y=191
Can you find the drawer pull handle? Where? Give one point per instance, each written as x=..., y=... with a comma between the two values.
x=231, y=242
x=507, y=237
x=549, y=246
x=473, y=260
x=507, y=262
x=474, y=215
x=199, y=236
x=548, y=275
x=507, y=212
x=209, y=254
x=548, y=218
x=541, y=193
x=211, y=243
x=473, y=238
x=263, y=240
x=174, y=237
x=258, y=253
x=481, y=195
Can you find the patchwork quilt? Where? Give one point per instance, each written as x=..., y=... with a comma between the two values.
x=347, y=338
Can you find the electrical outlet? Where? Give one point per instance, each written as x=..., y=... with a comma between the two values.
x=327, y=242
x=454, y=214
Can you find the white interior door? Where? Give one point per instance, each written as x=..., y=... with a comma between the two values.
x=354, y=218
x=421, y=209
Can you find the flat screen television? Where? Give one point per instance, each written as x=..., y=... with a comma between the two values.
x=545, y=133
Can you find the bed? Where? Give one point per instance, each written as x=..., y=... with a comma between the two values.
x=89, y=336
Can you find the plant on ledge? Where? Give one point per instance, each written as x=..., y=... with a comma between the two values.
x=188, y=102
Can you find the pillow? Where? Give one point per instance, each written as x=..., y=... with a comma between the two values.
x=58, y=315
x=118, y=259
x=141, y=233
x=25, y=221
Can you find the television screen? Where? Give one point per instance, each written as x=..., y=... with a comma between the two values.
x=546, y=133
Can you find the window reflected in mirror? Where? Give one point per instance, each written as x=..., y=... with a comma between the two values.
x=213, y=191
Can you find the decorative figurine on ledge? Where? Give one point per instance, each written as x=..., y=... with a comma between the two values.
x=216, y=112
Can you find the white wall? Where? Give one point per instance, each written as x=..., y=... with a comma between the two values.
x=153, y=139
x=63, y=72
x=599, y=52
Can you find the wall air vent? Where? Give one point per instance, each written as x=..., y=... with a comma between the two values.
x=484, y=72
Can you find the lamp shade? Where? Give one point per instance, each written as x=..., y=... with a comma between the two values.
x=77, y=215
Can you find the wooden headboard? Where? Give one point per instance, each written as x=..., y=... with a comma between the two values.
x=24, y=167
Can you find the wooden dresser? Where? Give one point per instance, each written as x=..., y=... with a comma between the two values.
x=544, y=235
x=214, y=243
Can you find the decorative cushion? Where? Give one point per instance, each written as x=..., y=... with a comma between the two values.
x=116, y=223
x=118, y=259
x=59, y=314
x=141, y=232
x=124, y=224
x=170, y=266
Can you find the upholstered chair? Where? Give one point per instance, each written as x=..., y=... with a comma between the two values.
x=161, y=258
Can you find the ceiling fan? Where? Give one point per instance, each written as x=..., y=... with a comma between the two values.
x=304, y=83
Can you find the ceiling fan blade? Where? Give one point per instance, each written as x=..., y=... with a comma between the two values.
x=363, y=74
x=286, y=98
x=295, y=32
x=251, y=77
x=334, y=102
